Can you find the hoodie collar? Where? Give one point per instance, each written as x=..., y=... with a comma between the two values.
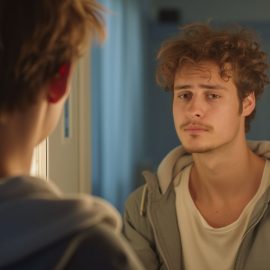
x=178, y=159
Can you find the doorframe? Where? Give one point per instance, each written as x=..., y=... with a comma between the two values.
x=41, y=156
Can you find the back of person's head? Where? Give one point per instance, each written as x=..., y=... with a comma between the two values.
x=234, y=49
x=37, y=37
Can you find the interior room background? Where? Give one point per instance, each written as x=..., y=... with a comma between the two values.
x=131, y=126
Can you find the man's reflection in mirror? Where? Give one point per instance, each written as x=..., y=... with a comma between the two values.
x=206, y=207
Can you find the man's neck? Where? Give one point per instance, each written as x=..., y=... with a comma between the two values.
x=15, y=156
x=18, y=136
x=225, y=180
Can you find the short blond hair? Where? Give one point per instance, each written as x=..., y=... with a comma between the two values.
x=36, y=38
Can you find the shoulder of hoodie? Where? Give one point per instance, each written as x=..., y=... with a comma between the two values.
x=97, y=248
x=135, y=198
x=108, y=251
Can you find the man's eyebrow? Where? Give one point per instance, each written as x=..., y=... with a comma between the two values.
x=182, y=86
x=213, y=86
x=204, y=86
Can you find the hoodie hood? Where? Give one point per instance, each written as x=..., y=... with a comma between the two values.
x=177, y=159
x=34, y=214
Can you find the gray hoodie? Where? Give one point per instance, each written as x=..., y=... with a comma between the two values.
x=35, y=214
x=150, y=221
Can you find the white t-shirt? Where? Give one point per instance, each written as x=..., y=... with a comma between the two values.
x=205, y=247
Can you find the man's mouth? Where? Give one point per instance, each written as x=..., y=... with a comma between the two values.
x=195, y=128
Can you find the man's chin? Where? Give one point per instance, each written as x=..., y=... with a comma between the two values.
x=198, y=149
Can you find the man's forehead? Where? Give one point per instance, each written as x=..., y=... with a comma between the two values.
x=205, y=69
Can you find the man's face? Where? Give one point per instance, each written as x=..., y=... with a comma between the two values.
x=206, y=108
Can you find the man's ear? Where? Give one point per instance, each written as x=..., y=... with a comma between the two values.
x=58, y=85
x=249, y=104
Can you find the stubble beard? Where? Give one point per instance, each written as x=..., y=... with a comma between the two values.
x=193, y=146
x=203, y=148
x=198, y=149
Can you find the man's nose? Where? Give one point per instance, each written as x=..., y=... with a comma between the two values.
x=196, y=108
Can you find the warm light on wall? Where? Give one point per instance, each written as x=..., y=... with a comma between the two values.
x=39, y=161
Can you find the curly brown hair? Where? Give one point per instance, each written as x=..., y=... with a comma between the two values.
x=235, y=46
x=36, y=38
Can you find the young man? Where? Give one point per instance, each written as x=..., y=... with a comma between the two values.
x=207, y=206
x=40, y=42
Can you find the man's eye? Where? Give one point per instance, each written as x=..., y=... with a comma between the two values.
x=213, y=96
x=185, y=96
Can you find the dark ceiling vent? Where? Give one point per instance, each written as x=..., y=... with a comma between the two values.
x=169, y=15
